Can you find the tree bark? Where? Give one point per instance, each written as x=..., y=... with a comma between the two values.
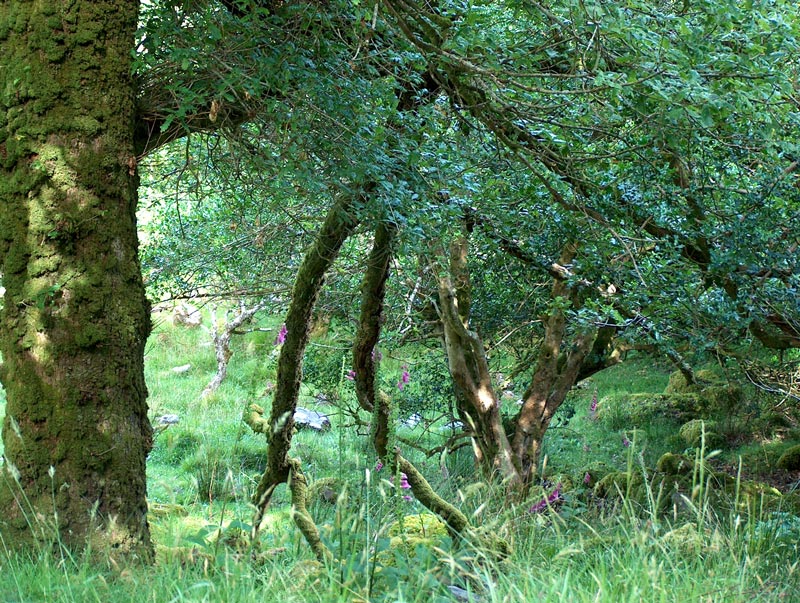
x=469, y=368
x=75, y=318
x=373, y=290
x=338, y=226
x=222, y=344
x=553, y=376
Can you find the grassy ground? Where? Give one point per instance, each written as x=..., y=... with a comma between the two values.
x=629, y=547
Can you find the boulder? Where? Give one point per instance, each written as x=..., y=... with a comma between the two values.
x=312, y=419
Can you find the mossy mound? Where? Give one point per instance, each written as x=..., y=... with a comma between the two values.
x=424, y=525
x=790, y=460
x=678, y=385
x=490, y=543
x=675, y=464
x=407, y=546
x=692, y=433
x=717, y=396
x=620, y=484
x=407, y=536
x=688, y=539
x=596, y=471
x=628, y=411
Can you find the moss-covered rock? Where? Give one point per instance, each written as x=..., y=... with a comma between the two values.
x=678, y=385
x=424, y=525
x=675, y=464
x=407, y=535
x=688, y=539
x=692, y=432
x=621, y=484
x=628, y=411
x=790, y=460
x=723, y=398
x=596, y=471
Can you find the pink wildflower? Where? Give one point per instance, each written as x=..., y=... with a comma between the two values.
x=547, y=501
x=376, y=355
x=587, y=478
x=404, y=378
x=378, y=465
x=593, y=407
x=351, y=375
x=404, y=482
x=281, y=335
x=408, y=498
x=625, y=441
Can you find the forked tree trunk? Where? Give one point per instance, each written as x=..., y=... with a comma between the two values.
x=469, y=369
x=75, y=318
x=554, y=373
x=222, y=343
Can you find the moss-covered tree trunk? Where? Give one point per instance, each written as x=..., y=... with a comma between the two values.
x=75, y=318
x=339, y=224
x=373, y=291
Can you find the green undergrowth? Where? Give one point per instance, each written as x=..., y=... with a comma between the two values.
x=628, y=524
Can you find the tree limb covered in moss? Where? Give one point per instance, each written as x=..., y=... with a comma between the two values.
x=339, y=224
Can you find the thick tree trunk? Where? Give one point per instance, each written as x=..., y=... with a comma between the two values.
x=75, y=318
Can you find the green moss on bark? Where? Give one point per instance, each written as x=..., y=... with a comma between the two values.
x=75, y=318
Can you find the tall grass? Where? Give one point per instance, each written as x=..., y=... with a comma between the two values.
x=202, y=471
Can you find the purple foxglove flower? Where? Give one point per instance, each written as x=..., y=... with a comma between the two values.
x=407, y=498
x=378, y=466
x=546, y=501
x=404, y=482
x=405, y=378
x=625, y=441
x=351, y=375
x=376, y=355
x=587, y=478
x=281, y=335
